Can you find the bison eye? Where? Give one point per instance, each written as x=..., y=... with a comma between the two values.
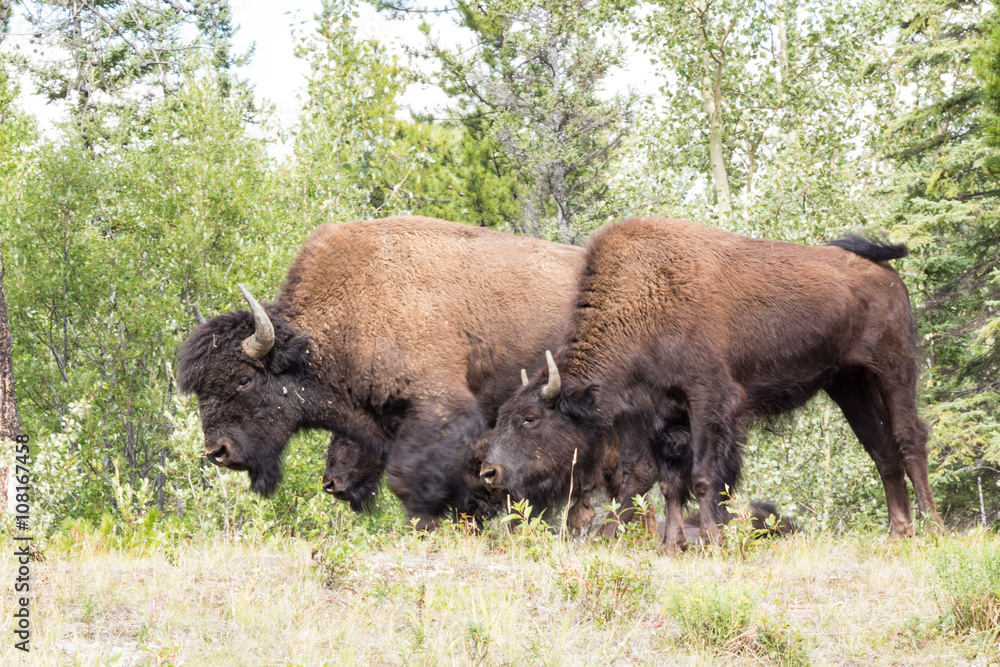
x=243, y=383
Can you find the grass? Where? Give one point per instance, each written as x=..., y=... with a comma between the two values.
x=370, y=596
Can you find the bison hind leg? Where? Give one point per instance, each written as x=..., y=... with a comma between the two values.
x=856, y=392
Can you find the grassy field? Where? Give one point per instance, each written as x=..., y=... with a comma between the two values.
x=372, y=597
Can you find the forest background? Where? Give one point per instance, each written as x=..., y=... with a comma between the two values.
x=164, y=180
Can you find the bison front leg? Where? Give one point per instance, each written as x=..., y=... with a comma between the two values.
x=673, y=457
x=426, y=465
x=716, y=429
x=638, y=474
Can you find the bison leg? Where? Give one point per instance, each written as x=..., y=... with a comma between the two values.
x=426, y=465
x=638, y=474
x=580, y=513
x=673, y=456
x=716, y=415
x=855, y=392
x=898, y=388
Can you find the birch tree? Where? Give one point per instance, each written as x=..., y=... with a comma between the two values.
x=771, y=101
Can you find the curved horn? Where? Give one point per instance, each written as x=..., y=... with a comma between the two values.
x=198, y=316
x=524, y=378
x=261, y=340
x=551, y=389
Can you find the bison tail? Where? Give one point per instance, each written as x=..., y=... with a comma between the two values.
x=876, y=251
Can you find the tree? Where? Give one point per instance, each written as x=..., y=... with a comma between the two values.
x=10, y=423
x=770, y=102
x=109, y=53
x=352, y=159
x=14, y=133
x=529, y=93
x=947, y=194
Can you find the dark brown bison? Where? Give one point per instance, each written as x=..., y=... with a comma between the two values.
x=353, y=475
x=400, y=335
x=675, y=318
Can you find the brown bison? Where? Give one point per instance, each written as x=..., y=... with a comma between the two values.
x=401, y=335
x=673, y=318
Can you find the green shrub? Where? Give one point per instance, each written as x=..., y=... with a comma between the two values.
x=715, y=617
x=969, y=594
x=606, y=589
x=709, y=614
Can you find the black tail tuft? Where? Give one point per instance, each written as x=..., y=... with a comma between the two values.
x=876, y=251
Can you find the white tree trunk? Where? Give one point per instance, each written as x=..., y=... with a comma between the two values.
x=711, y=95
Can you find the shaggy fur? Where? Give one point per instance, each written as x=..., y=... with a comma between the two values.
x=670, y=313
x=402, y=335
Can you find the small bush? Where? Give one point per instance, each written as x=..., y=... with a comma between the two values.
x=606, y=589
x=708, y=615
x=970, y=589
x=336, y=555
x=532, y=534
x=717, y=618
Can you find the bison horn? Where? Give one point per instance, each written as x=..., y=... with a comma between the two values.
x=552, y=387
x=199, y=318
x=261, y=340
x=524, y=378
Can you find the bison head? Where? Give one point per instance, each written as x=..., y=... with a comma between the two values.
x=249, y=373
x=352, y=472
x=546, y=426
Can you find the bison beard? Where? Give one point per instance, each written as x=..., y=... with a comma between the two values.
x=670, y=313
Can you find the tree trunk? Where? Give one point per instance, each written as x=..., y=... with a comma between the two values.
x=711, y=95
x=10, y=424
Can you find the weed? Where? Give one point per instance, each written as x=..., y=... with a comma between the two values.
x=740, y=536
x=89, y=609
x=606, y=589
x=969, y=596
x=336, y=555
x=708, y=614
x=779, y=642
x=531, y=533
x=718, y=618
x=477, y=642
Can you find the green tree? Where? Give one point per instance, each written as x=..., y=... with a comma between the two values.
x=947, y=190
x=770, y=102
x=352, y=155
x=539, y=134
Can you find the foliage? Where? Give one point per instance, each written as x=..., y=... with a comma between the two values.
x=969, y=595
x=768, y=103
x=708, y=614
x=811, y=465
x=351, y=160
x=108, y=253
x=945, y=194
x=114, y=51
x=715, y=617
x=605, y=588
x=529, y=91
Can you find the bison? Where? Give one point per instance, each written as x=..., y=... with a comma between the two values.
x=402, y=335
x=675, y=318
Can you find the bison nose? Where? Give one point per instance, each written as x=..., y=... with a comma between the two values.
x=332, y=484
x=219, y=451
x=490, y=473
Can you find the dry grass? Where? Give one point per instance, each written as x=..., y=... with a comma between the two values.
x=491, y=599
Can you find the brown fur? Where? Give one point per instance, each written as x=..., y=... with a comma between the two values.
x=670, y=312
